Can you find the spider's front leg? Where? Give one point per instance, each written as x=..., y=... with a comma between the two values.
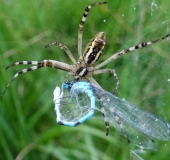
x=120, y=124
x=37, y=65
x=112, y=72
x=104, y=117
x=104, y=99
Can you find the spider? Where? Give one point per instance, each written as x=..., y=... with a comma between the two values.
x=84, y=68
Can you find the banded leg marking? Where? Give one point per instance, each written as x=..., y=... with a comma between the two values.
x=44, y=63
x=21, y=72
x=64, y=47
x=104, y=117
x=24, y=63
x=81, y=24
x=120, y=53
x=118, y=122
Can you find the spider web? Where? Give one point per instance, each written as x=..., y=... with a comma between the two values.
x=28, y=26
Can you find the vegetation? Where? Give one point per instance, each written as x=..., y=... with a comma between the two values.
x=28, y=129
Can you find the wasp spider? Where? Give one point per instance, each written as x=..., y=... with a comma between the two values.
x=84, y=68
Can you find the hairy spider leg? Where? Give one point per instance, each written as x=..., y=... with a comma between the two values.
x=113, y=72
x=81, y=24
x=44, y=63
x=65, y=48
x=120, y=53
x=106, y=122
x=116, y=117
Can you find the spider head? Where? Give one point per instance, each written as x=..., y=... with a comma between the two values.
x=94, y=48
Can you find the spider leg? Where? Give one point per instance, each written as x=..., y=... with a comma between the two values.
x=93, y=81
x=105, y=118
x=120, y=53
x=102, y=99
x=105, y=100
x=65, y=48
x=112, y=72
x=119, y=122
x=81, y=24
x=23, y=63
x=44, y=63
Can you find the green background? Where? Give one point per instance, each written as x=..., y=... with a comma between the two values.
x=28, y=129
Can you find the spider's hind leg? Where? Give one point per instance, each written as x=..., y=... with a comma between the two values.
x=81, y=25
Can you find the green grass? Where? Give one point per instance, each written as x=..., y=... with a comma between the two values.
x=28, y=128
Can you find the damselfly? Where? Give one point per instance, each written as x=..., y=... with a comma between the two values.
x=75, y=102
